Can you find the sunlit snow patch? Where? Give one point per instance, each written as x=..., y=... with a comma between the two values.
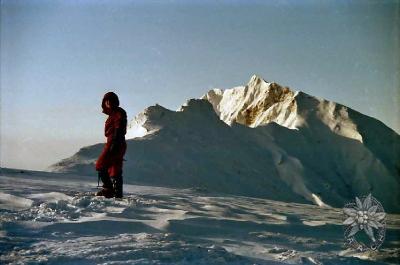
x=12, y=202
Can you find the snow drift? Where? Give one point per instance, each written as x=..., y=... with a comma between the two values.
x=261, y=140
x=52, y=218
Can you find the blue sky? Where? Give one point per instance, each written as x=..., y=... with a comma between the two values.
x=58, y=58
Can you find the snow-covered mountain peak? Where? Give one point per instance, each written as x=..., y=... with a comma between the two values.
x=156, y=117
x=258, y=103
x=140, y=125
x=261, y=102
x=198, y=108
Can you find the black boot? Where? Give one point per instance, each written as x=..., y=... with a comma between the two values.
x=117, y=185
x=107, y=190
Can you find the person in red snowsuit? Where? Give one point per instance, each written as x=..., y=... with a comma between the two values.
x=109, y=163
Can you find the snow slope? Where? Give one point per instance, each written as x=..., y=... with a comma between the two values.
x=260, y=140
x=52, y=220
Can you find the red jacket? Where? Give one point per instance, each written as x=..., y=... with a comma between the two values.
x=111, y=158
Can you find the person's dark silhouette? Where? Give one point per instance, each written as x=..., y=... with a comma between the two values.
x=109, y=163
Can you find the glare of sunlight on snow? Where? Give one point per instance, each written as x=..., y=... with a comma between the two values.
x=137, y=131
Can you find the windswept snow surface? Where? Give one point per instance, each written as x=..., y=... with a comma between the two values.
x=49, y=218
